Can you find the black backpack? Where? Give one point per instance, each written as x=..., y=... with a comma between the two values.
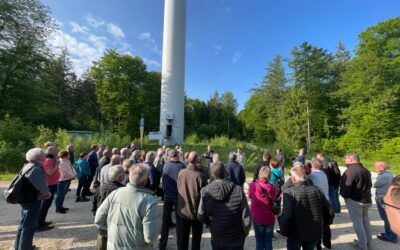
x=21, y=189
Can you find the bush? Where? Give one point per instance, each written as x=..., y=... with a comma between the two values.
x=192, y=139
x=15, y=139
x=44, y=135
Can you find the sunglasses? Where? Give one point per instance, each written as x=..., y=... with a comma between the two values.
x=383, y=204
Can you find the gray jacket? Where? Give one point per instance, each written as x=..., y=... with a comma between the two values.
x=319, y=179
x=131, y=218
x=37, y=177
x=382, y=183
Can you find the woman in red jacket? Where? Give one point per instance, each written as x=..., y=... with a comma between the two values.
x=262, y=195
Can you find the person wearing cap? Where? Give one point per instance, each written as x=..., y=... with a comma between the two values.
x=170, y=176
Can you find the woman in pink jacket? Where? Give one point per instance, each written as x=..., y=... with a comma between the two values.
x=66, y=175
x=262, y=195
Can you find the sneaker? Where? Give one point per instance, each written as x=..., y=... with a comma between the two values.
x=384, y=238
x=78, y=199
x=44, y=228
x=61, y=211
x=47, y=223
x=65, y=208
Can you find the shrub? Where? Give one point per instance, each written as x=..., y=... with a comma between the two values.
x=44, y=135
x=192, y=139
x=15, y=139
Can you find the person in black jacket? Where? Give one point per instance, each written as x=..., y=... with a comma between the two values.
x=116, y=176
x=235, y=171
x=355, y=188
x=222, y=203
x=263, y=163
x=334, y=183
x=305, y=212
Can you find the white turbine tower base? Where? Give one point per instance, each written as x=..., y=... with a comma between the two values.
x=173, y=72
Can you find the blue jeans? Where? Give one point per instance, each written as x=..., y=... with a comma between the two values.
x=46, y=204
x=62, y=189
x=27, y=225
x=263, y=236
x=389, y=234
x=334, y=198
x=293, y=244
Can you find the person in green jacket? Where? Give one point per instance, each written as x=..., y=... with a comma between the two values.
x=130, y=215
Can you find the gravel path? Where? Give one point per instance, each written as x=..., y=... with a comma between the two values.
x=75, y=230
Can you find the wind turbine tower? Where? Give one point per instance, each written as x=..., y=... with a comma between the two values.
x=173, y=72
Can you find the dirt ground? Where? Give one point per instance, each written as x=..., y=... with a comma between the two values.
x=75, y=229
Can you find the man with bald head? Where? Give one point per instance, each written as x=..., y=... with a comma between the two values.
x=355, y=188
x=190, y=181
x=115, y=160
x=381, y=185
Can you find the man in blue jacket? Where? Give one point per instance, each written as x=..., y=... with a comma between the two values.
x=170, y=177
x=94, y=164
x=235, y=171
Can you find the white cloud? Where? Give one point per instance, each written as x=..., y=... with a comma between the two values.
x=217, y=49
x=82, y=54
x=88, y=41
x=149, y=42
x=151, y=62
x=99, y=42
x=145, y=36
x=115, y=31
x=58, y=22
x=236, y=56
x=94, y=22
x=76, y=28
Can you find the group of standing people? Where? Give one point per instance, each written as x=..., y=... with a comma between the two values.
x=127, y=183
x=48, y=174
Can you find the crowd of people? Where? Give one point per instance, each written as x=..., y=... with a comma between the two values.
x=126, y=186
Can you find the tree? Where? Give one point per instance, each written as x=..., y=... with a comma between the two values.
x=262, y=115
x=23, y=54
x=119, y=82
x=312, y=76
x=371, y=87
x=151, y=97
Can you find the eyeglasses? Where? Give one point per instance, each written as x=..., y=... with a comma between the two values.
x=383, y=204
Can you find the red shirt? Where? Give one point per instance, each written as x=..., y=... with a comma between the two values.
x=51, y=163
x=261, y=207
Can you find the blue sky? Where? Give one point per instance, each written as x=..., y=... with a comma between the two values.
x=228, y=42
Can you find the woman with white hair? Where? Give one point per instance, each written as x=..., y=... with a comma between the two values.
x=35, y=191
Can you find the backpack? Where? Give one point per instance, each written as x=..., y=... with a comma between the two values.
x=20, y=189
x=279, y=181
